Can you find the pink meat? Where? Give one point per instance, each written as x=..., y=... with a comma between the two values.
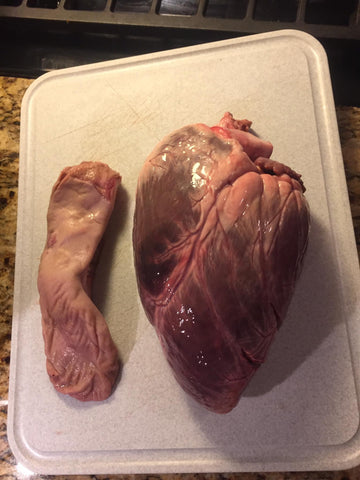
x=220, y=231
x=82, y=359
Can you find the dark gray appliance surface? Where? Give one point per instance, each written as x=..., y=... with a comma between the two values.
x=37, y=36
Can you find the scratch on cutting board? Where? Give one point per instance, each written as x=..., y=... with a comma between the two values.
x=81, y=127
x=140, y=118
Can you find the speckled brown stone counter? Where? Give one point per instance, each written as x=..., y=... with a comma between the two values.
x=11, y=93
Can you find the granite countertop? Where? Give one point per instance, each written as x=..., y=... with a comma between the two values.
x=11, y=93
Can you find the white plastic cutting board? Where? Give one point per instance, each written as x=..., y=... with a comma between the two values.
x=301, y=409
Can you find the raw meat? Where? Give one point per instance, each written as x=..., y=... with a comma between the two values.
x=82, y=359
x=220, y=231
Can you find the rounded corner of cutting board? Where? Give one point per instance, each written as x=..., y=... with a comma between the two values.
x=34, y=87
x=301, y=36
x=351, y=457
x=24, y=456
x=29, y=459
x=307, y=42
